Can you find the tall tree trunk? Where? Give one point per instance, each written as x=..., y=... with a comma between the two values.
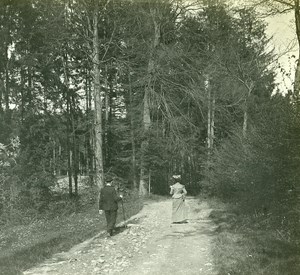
x=133, y=147
x=23, y=79
x=86, y=137
x=211, y=102
x=107, y=120
x=146, y=109
x=30, y=87
x=54, y=158
x=74, y=147
x=69, y=151
x=6, y=37
x=297, y=72
x=2, y=89
x=7, y=81
x=97, y=101
x=89, y=134
x=245, y=120
x=90, y=156
x=213, y=111
x=144, y=144
x=69, y=123
x=208, y=117
x=59, y=159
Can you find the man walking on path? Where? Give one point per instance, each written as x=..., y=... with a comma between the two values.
x=108, y=203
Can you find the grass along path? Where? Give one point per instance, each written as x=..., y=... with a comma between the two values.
x=151, y=245
x=24, y=246
x=217, y=240
x=250, y=246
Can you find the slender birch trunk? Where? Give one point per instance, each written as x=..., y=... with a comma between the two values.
x=213, y=109
x=211, y=102
x=208, y=116
x=245, y=120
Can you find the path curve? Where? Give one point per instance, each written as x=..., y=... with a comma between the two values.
x=150, y=245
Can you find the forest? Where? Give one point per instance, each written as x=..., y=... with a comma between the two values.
x=142, y=90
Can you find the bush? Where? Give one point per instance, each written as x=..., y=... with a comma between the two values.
x=260, y=172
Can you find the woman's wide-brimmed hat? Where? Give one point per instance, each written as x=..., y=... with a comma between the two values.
x=176, y=177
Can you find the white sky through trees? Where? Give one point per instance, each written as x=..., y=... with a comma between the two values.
x=282, y=28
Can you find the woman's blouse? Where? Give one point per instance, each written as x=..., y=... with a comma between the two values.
x=177, y=190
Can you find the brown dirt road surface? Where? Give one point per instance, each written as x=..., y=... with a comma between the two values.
x=150, y=245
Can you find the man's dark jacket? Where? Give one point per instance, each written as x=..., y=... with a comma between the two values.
x=108, y=198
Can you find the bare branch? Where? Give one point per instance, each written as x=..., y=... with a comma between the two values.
x=284, y=3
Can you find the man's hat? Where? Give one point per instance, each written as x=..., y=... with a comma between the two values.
x=176, y=177
x=109, y=178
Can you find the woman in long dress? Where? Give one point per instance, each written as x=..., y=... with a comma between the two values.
x=178, y=201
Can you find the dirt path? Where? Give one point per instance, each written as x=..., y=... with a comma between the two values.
x=151, y=245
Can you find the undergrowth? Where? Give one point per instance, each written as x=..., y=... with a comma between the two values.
x=63, y=225
x=252, y=245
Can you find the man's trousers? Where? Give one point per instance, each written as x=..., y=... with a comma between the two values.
x=111, y=217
